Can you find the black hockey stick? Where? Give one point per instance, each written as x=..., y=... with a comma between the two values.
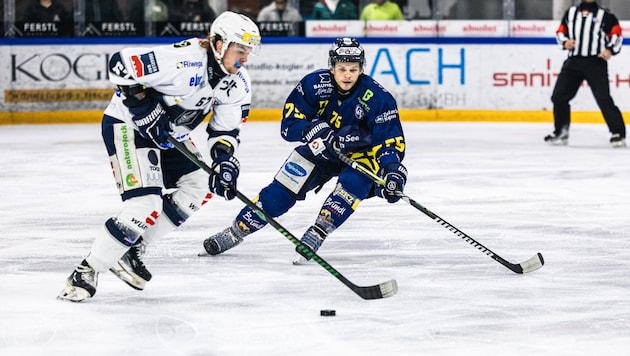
x=530, y=265
x=382, y=290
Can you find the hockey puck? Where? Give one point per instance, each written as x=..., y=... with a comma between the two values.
x=327, y=312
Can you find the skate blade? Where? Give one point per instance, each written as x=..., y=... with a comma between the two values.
x=299, y=260
x=131, y=279
x=73, y=294
x=203, y=254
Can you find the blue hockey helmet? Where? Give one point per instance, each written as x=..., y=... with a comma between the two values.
x=346, y=49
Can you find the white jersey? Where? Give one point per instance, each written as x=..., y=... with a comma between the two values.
x=180, y=73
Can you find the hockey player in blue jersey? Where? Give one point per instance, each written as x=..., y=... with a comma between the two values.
x=161, y=91
x=339, y=109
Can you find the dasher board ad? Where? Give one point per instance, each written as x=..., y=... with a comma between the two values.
x=486, y=76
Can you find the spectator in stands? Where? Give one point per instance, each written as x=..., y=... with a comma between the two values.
x=334, y=10
x=156, y=12
x=244, y=10
x=102, y=10
x=47, y=11
x=134, y=10
x=279, y=10
x=381, y=10
x=193, y=11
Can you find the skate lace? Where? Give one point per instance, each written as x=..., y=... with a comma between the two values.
x=138, y=251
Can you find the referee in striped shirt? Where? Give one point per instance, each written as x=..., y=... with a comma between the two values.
x=591, y=35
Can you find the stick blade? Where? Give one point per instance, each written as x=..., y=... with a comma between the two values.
x=383, y=290
x=534, y=263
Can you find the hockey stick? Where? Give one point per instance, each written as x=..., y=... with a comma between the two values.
x=382, y=290
x=530, y=265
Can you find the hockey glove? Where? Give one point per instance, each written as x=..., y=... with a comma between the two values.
x=395, y=176
x=225, y=169
x=321, y=139
x=152, y=122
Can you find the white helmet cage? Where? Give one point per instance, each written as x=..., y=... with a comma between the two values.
x=230, y=27
x=346, y=49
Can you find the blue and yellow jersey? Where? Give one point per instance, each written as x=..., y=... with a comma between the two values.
x=369, y=110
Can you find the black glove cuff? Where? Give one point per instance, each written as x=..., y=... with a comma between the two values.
x=221, y=150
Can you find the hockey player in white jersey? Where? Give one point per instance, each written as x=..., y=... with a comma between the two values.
x=161, y=91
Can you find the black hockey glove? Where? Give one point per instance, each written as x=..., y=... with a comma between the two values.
x=395, y=176
x=152, y=121
x=225, y=169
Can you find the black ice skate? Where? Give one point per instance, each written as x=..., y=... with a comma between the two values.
x=81, y=284
x=221, y=242
x=617, y=141
x=130, y=268
x=313, y=238
x=560, y=139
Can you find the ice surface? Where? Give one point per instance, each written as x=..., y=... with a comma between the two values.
x=497, y=182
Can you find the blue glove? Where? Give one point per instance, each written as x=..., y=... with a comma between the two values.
x=152, y=121
x=225, y=169
x=395, y=176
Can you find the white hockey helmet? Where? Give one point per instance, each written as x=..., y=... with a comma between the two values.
x=230, y=27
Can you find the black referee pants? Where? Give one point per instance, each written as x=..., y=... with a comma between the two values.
x=595, y=71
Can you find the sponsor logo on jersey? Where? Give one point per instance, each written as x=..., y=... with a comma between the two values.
x=250, y=220
x=139, y=224
x=334, y=207
x=131, y=180
x=342, y=193
x=324, y=92
x=144, y=64
x=359, y=113
x=152, y=218
x=195, y=81
x=228, y=85
x=125, y=141
x=386, y=116
x=240, y=75
x=324, y=78
x=322, y=86
x=189, y=64
x=295, y=169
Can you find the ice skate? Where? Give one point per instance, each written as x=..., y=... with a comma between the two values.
x=81, y=284
x=130, y=268
x=561, y=139
x=221, y=242
x=617, y=141
x=313, y=239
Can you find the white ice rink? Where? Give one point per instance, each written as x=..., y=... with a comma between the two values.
x=497, y=182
